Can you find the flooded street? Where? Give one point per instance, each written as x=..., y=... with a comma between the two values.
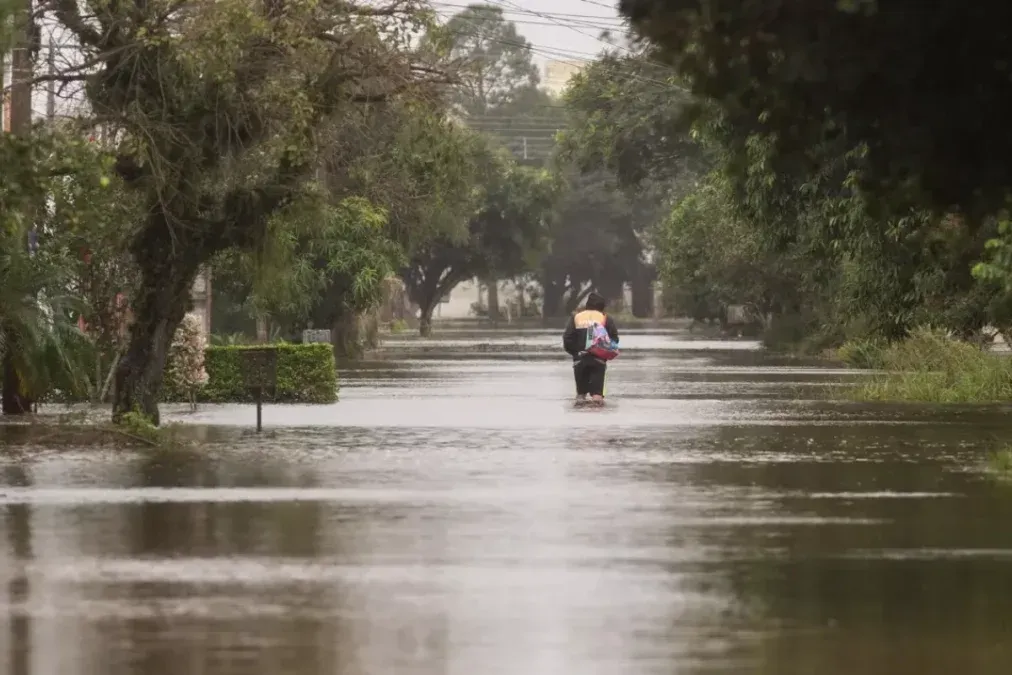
x=455, y=515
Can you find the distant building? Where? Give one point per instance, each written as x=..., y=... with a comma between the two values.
x=557, y=75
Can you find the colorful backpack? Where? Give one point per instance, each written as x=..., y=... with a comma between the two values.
x=599, y=344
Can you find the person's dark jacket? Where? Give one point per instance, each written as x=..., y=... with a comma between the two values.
x=574, y=339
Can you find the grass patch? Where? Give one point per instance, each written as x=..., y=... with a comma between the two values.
x=999, y=465
x=399, y=326
x=930, y=367
x=866, y=354
x=76, y=430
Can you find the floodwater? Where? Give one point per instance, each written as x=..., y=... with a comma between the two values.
x=455, y=515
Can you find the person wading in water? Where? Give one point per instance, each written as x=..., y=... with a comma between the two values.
x=591, y=338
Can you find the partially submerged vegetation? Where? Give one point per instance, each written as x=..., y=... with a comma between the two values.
x=80, y=429
x=999, y=465
x=930, y=367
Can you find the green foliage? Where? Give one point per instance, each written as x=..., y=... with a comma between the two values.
x=851, y=74
x=406, y=179
x=627, y=114
x=314, y=251
x=496, y=67
x=865, y=353
x=626, y=136
x=223, y=112
x=818, y=263
x=711, y=258
x=594, y=240
x=506, y=236
x=932, y=367
x=831, y=155
x=53, y=181
x=999, y=465
x=139, y=425
x=305, y=374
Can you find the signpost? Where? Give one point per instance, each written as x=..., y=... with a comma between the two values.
x=260, y=373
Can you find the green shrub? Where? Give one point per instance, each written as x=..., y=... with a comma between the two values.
x=306, y=373
x=931, y=367
x=999, y=465
x=866, y=353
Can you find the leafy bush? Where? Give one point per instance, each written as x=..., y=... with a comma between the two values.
x=866, y=353
x=399, y=326
x=999, y=465
x=306, y=373
x=185, y=372
x=932, y=367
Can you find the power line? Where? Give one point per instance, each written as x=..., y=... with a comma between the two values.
x=523, y=22
x=523, y=43
x=530, y=12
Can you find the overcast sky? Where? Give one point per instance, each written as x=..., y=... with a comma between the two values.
x=557, y=29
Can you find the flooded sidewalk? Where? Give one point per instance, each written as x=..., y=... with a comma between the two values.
x=454, y=514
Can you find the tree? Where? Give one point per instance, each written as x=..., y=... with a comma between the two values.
x=864, y=75
x=399, y=177
x=594, y=243
x=626, y=117
x=853, y=167
x=495, y=65
x=40, y=343
x=185, y=371
x=505, y=237
x=93, y=217
x=628, y=114
x=222, y=110
x=496, y=78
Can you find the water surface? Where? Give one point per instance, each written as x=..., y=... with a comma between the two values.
x=453, y=514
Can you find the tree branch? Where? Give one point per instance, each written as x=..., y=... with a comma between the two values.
x=69, y=14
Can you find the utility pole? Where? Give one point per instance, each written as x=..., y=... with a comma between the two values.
x=51, y=92
x=14, y=400
x=21, y=73
x=3, y=92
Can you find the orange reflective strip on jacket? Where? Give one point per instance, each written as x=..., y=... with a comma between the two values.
x=587, y=317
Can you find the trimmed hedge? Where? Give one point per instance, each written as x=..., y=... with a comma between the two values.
x=307, y=373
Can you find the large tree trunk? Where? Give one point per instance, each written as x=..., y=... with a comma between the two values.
x=642, y=297
x=553, y=290
x=425, y=320
x=493, y=300
x=162, y=302
x=613, y=291
x=14, y=402
x=351, y=334
x=20, y=125
x=344, y=336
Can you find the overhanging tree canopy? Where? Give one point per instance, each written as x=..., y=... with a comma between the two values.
x=222, y=110
x=922, y=90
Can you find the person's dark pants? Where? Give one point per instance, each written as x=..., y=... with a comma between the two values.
x=589, y=374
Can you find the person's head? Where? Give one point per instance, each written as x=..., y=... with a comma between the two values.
x=595, y=302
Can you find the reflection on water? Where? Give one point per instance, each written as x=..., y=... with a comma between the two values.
x=453, y=514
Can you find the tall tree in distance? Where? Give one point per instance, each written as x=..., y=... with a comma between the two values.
x=497, y=76
x=508, y=232
x=496, y=68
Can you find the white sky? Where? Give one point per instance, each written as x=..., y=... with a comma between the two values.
x=567, y=30
x=557, y=29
